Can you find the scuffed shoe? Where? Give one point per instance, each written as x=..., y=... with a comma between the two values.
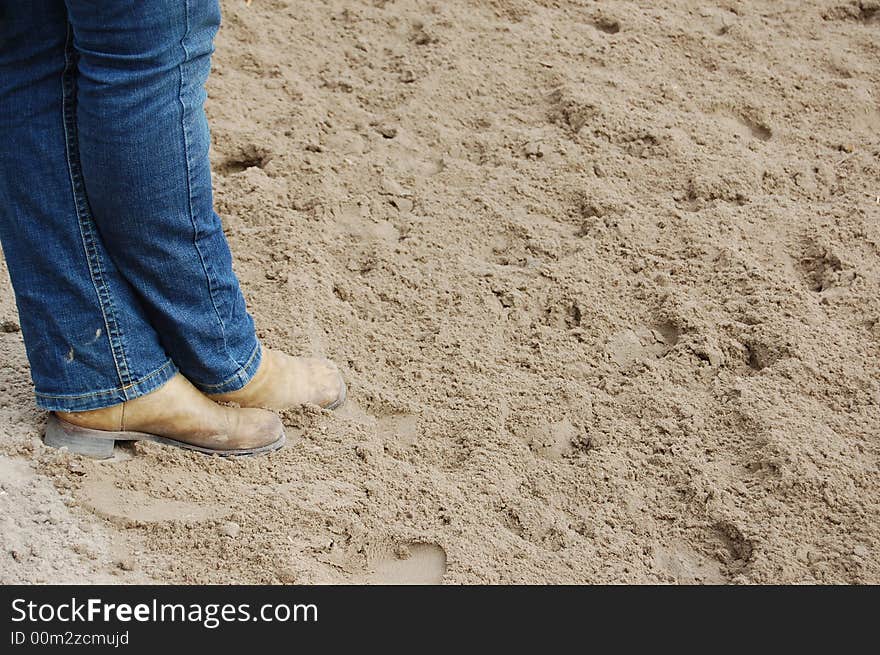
x=175, y=414
x=282, y=382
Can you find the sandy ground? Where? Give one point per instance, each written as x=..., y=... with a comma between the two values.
x=602, y=277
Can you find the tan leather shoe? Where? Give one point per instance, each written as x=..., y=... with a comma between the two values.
x=176, y=414
x=283, y=381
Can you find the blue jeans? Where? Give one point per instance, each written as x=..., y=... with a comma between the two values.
x=122, y=273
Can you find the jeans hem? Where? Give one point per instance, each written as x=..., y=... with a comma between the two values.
x=238, y=379
x=107, y=397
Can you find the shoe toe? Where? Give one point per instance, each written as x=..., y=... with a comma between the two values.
x=265, y=428
x=341, y=393
x=329, y=387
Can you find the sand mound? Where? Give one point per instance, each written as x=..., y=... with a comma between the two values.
x=602, y=277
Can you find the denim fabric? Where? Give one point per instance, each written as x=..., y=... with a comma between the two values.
x=120, y=267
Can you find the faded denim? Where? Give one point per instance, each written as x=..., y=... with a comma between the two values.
x=121, y=271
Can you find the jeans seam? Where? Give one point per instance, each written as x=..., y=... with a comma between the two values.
x=107, y=392
x=189, y=191
x=96, y=271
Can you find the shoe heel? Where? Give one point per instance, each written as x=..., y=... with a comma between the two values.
x=81, y=441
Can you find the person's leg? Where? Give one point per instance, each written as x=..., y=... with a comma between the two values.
x=144, y=142
x=86, y=335
x=95, y=360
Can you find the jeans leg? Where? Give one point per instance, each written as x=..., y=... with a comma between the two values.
x=87, y=338
x=144, y=142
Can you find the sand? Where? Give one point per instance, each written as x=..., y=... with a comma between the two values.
x=602, y=277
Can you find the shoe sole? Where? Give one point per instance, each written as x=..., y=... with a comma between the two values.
x=98, y=444
x=340, y=400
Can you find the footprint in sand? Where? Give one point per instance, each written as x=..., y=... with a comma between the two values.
x=407, y=157
x=686, y=566
x=401, y=430
x=352, y=411
x=355, y=220
x=742, y=126
x=126, y=507
x=552, y=440
x=411, y=564
x=629, y=346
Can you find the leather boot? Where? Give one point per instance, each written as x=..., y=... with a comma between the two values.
x=176, y=414
x=283, y=381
